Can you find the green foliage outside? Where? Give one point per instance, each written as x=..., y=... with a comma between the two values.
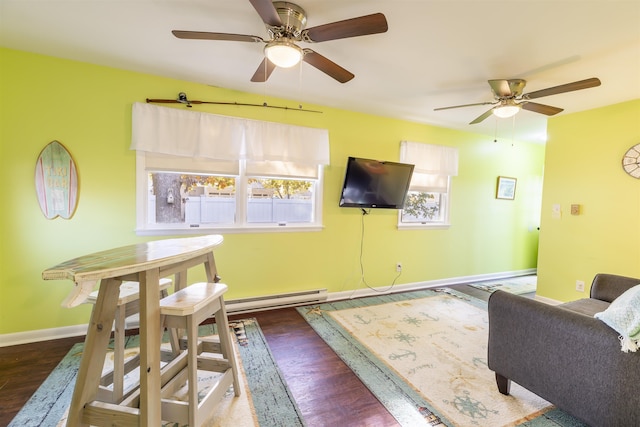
x=422, y=205
x=216, y=182
x=282, y=188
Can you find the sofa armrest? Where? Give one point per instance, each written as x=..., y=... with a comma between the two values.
x=570, y=359
x=607, y=287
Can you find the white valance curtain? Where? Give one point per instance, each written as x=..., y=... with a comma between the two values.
x=170, y=131
x=434, y=164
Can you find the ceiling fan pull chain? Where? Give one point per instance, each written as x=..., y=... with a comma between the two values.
x=264, y=85
x=300, y=82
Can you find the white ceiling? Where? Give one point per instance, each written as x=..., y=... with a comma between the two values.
x=436, y=53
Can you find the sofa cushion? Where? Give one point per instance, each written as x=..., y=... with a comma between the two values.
x=623, y=315
x=588, y=306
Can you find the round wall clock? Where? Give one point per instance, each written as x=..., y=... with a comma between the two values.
x=631, y=161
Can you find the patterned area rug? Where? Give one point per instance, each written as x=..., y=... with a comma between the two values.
x=514, y=285
x=423, y=355
x=265, y=400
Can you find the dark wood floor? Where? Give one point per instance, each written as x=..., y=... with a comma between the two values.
x=326, y=390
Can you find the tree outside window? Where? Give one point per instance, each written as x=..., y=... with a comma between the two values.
x=421, y=207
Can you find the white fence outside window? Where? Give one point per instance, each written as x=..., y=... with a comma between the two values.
x=221, y=210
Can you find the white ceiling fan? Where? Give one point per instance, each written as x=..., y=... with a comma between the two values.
x=509, y=99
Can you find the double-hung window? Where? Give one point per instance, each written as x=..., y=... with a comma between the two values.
x=428, y=199
x=198, y=172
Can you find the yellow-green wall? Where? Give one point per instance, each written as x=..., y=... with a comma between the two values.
x=88, y=109
x=583, y=166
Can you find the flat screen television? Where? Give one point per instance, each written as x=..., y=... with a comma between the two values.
x=375, y=184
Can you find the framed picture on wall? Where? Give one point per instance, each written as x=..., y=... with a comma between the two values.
x=506, y=188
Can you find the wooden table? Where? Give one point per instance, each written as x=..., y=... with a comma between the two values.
x=145, y=263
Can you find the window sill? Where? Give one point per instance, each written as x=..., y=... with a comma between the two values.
x=421, y=226
x=287, y=228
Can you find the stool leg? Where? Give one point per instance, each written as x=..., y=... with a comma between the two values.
x=118, y=354
x=227, y=345
x=173, y=332
x=175, y=341
x=192, y=366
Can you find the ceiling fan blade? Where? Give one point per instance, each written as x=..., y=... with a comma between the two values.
x=569, y=87
x=203, y=35
x=541, y=108
x=327, y=66
x=482, y=117
x=465, y=105
x=264, y=71
x=354, y=27
x=267, y=12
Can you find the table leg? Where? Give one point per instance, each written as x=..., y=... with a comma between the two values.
x=150, y=382
x=181, y=280
x=210, y=269
x=94, y=351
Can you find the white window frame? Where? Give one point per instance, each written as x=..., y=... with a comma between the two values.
x=177, y=140
x=445, y=168
x=144, y=228
x=443, y=223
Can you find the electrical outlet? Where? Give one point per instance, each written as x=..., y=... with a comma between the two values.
x=398, y=267
x=579, y=286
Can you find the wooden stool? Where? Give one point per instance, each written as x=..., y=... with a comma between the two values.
x=186, y=309
x=128, y=305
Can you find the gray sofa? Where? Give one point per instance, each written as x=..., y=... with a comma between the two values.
x=566, y=356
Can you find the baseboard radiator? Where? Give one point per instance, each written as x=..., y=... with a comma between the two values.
x=268, y=302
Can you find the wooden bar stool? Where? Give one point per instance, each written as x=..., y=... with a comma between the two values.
x=186, y=309
x=128, y=305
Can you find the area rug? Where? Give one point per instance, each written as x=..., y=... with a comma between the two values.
x=265, y=400
x=515, y=285
x=424, y=356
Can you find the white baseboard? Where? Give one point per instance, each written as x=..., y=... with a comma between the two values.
x=416, y=286
x=80, y=330
x=38, y=335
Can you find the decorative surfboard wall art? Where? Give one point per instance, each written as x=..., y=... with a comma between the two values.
x=56, y=181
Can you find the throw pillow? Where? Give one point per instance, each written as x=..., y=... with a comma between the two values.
x=623, y=315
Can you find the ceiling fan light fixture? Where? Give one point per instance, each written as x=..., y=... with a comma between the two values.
x=283, y=53
x=506, y=110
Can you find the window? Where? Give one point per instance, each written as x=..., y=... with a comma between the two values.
x=255, y=176
x=181, y=200
x=427, y=203
x=425, y=207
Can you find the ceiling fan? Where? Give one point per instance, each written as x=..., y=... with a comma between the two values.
x=285, y=23
x=509, y=98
